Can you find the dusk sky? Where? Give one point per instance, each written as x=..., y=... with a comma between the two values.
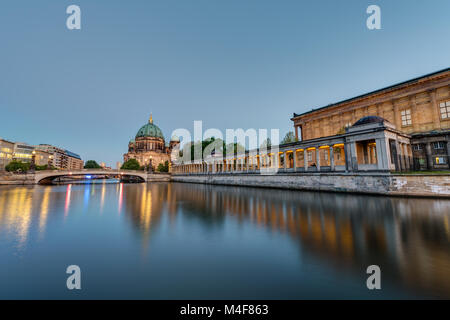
x=233, y=64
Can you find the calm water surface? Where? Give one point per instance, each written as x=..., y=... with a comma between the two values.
x=190, y=241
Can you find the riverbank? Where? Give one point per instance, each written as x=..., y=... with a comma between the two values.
x=7, y=178
x=411, y=185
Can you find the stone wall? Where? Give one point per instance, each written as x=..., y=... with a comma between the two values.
x=382, y=183
x=158, y=177
x=7, y=178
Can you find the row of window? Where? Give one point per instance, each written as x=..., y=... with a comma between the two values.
x=445, y=109
x=436, y=146
x=443, y=106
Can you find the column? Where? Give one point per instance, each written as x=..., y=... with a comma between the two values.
x=294, y=154
x=353, y=160
x=380, y=156
x=405, y=152
x=435, y=109
x=331, y=155
x=318, y=158
x=401, y=163
x=305, y=158
x=286, y=156
x=448, y=150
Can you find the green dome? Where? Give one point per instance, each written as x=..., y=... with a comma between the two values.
x=150, y=130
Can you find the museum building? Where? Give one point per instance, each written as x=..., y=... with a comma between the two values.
x=418, y=110
x=403, y=127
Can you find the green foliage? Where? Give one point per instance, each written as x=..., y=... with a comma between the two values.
x=266, y=144
x=131, y=164
x=91, y=164
x=289, y=137
x=163, y=167
x=219, y=148
x=17, y=166
x=341, y=130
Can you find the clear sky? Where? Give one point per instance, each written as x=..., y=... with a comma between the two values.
x=231, y=63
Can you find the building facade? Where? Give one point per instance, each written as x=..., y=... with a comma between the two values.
x=23, y=152
x=42, y=158
x=74, y=161
x=6, y=153
x=403, y=127
x=149, y=147
x=61, y=158
x=419, y=108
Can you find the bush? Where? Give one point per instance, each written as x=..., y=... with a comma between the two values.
x=131, y=164
x=17, y=166
x=91, y=164
x=163, y=167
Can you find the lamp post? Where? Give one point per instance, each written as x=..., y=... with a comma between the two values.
x=150, y=169
x=50, y=162
x=33, y=161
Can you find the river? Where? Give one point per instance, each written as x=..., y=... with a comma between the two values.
x=193, y=241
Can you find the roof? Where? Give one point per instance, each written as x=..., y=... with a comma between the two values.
x=374, y=92
x=150, y=130
x=73, y=155
x=369, y=119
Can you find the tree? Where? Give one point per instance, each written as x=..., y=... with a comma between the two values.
x=289, y=137
x=17, y=166
x=91, y=164
x=219, y=148
x=163, y=167
x=131, y=164
x=266, y=144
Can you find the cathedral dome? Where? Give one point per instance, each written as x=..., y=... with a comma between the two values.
x=150, y=130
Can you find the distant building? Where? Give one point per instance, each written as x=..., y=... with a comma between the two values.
x=118, y=165
x=103, y=165
x=23, y=152
x=74, y=161
x=42, y=158
x=149, y=147
x=6, y=153
x=62, y=159
x=59, y=159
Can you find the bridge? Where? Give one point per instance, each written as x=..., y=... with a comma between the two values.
x=48, y=176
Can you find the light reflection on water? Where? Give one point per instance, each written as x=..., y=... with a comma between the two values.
x=171, y=240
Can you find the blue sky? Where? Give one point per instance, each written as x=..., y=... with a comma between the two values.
x=233, y=64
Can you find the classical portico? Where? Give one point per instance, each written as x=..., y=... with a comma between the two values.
x=371, y=144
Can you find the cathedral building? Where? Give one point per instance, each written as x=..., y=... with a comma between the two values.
x=149, y=147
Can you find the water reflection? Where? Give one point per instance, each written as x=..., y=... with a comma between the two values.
x=408, y=238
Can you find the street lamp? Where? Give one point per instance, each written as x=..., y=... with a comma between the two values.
x=33, y=160
x=50, y=161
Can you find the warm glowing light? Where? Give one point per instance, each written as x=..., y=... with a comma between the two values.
x=67, y=203
x=120, y=197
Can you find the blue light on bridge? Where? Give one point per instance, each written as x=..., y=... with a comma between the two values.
x=88, y=177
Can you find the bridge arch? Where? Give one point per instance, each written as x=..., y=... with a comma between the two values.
x=42, y=177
